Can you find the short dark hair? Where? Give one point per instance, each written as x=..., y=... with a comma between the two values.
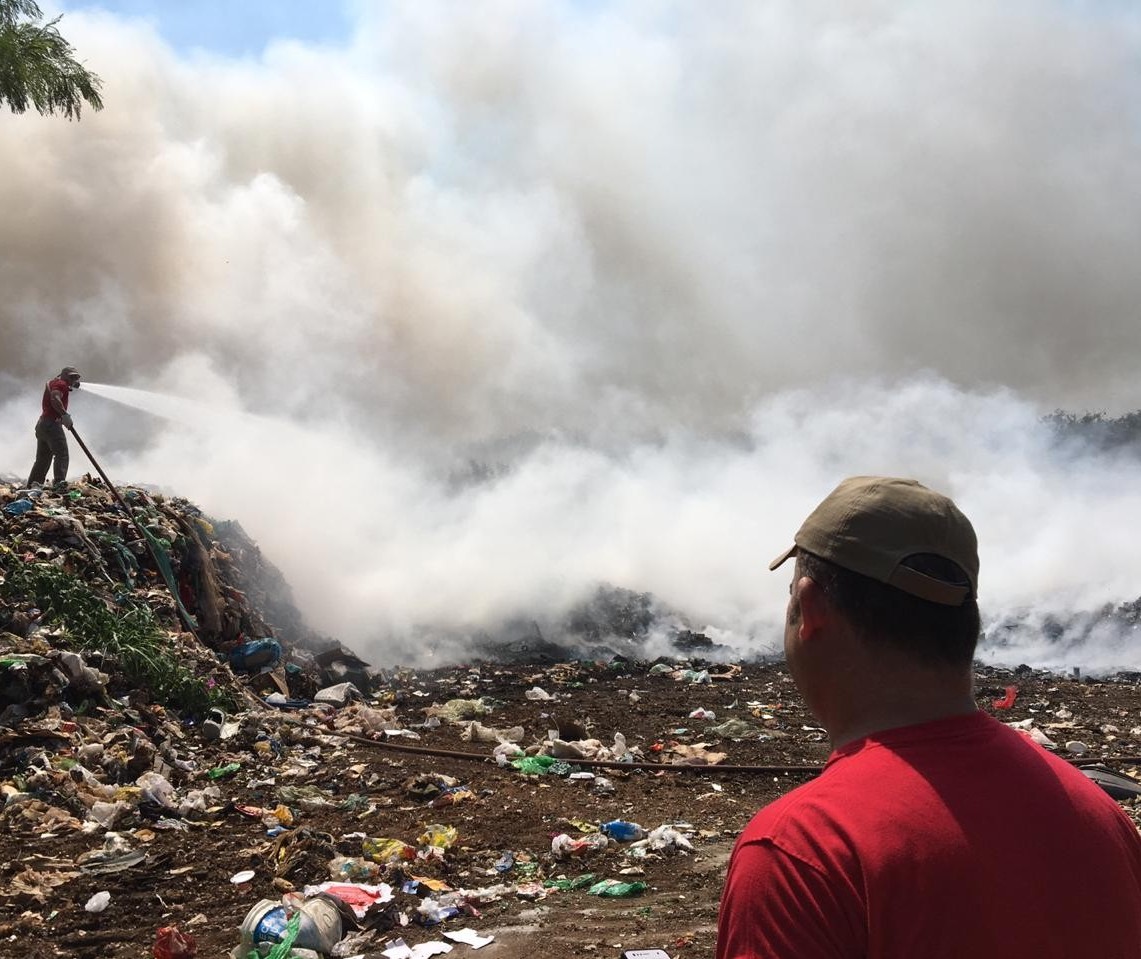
x=933, y=633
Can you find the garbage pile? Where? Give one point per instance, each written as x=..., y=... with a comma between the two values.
x=183, y=775
x=164, y=584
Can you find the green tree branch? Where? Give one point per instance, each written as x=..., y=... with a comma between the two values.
x=38, y=66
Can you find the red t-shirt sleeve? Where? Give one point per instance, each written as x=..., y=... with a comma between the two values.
x=777, y=906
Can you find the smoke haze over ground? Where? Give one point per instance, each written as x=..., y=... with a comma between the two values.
x=669, y=270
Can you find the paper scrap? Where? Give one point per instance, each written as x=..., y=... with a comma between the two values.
x=469, y=937
x=400, y=950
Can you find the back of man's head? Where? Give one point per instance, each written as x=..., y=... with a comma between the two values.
x=899, y=562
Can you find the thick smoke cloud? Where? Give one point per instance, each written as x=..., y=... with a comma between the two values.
x=681, y=266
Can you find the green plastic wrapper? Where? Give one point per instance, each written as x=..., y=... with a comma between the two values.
x=616, y=889
x=228, y=770
x=578, y=882
x=534, y=765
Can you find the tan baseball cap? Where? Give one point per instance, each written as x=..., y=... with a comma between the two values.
x=871, y=524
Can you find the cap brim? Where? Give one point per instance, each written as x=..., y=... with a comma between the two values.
x=787, y=554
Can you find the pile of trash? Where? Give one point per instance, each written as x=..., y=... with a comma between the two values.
x=98, y=593
x=144, y=696
x=167, y=742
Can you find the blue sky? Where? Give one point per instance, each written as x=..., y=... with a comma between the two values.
x=229, y=27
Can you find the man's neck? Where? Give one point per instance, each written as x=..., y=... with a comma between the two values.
x=883, y=716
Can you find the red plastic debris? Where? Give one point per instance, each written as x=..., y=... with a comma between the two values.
x=1008, y=700
x=173, y=943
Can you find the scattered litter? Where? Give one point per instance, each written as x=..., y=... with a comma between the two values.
x=564, y=846
x=172, y=943
x=476, y=732
x=439, y=836
x=1115, y=784
x=92, y=752
x=459, y=710
x=98, y=902
x=1007, y=701
x=735, y=729
x=534, y=765
x=694, y=754
x=622, y=831
x=469, y=937
x=357, y=896
x=400, y=950
x=566, y=885
x=338, y=695
x=615, y=888
x=1032, y=732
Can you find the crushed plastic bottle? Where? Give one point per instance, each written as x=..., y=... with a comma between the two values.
x=222, y=771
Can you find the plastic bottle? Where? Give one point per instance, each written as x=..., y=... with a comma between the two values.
x=221, y=771
x=623, y=831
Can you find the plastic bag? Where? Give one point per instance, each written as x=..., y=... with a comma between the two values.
x=563, y=846
x=534, y=765
x=156, y=789
x=667, y=839
x=172, y=943
x=350, y=870
x=616, y=889
x=387, y=850
x=622, y=831
x=442, y=837
x=566, y=885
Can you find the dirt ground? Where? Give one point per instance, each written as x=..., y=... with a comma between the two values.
x=351, y=789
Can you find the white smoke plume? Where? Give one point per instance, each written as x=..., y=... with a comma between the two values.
x=681, y=267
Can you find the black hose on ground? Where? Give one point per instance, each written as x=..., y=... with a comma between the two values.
x=672, y=767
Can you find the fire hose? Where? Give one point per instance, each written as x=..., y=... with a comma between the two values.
x=672, y=767
x=147, y=538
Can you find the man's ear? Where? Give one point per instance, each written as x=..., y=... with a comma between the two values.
x=814, y=607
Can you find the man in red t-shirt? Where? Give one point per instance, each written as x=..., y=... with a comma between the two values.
x=934, y=830
x=51, y=441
